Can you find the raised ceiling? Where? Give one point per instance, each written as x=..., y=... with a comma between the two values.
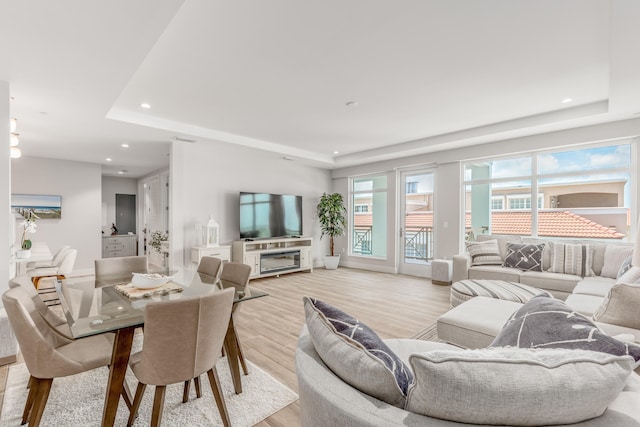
x=278, y=75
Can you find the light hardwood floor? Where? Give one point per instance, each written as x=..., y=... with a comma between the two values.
x=394, y=306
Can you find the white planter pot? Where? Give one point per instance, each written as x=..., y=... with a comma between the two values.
x=331, y=262
x=23, y=253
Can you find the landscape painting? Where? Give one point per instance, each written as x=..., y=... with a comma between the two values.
x=45, y=207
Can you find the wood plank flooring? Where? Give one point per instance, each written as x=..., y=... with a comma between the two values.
x=394, y=306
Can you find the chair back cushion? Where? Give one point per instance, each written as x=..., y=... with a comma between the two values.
x=211, y=266
x=182, y=338
x=235, y=273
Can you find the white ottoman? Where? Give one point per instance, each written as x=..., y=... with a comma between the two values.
x=465, y=290
x=441, y=271
x=475, y=323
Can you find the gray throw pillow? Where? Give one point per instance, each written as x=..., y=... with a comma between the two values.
x=514, y=386
x=544, y=322
x=523, y=256
x=569, y=258
x=626, y=266
x=356, y=354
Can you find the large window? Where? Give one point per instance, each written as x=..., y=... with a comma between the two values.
x=581, y=193
x=368, y=228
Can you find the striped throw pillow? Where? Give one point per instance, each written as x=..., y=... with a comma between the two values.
x=484, y=253
x=569, y=258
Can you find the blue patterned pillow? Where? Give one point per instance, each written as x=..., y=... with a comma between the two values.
x=544, y=322
x=356, y=354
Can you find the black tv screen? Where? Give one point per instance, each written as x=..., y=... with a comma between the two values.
x=264, y=215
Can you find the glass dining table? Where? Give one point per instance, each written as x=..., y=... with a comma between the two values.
x=94, y=307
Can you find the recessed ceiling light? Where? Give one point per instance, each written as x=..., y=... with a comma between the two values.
x=124, y=145
x=336, y=152
x=108, y=159
x=567, y=100
x=351, y=104
x=122, y=172
x=145, y=105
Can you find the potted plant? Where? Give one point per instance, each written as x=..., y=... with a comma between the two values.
x=331, y=213
x=28, y=226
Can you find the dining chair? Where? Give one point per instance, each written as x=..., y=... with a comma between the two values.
x=211, y=266
x=60, y=270
x=46, y=355
x=236, y=275
x=196, y=326
x=121, y=266
x=58, y=325
x=52, y=263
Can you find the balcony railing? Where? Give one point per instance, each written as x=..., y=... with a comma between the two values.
x=418, y=243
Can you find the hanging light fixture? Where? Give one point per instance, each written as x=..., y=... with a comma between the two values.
x=13, y=124
x=14, y=139
x=15, y=152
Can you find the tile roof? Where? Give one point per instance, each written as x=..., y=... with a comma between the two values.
x=550, y=224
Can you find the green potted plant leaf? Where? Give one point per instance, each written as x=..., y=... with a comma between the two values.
x=332, y=216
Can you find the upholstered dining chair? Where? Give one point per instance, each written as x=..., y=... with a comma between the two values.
x=60, y=270
x=46, y=355
x=52, y=263
x=58, y=325
x=120, y=266
x=236, y=275
x=210, y=266
x=196, y=326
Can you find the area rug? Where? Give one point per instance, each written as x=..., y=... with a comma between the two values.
x=78, y=400
x=430, y=333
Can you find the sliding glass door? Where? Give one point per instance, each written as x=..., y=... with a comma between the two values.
x=416, y=222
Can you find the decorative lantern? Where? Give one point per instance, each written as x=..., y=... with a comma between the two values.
x=212, y=236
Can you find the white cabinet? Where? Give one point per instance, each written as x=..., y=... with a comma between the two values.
x=271, y=257
x=119, y=245
x=222, y=252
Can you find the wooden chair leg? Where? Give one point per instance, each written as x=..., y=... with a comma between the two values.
x=217, y=393
x=43, y=387
x=241, y=356
x=30, y=399
x=196, y=381
x=126, y=395
x=133, y=412
x=185, y=392
x=158, y=405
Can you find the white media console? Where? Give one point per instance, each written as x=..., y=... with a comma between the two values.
x=271, y=257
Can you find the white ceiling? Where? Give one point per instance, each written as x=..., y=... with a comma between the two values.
x=276, y=75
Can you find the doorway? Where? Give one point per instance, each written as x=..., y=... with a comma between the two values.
x=126, y=213
x=416, y=222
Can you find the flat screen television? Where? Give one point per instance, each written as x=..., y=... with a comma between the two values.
x=264, y=215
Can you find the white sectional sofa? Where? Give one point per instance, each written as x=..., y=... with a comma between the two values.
x=560, y=285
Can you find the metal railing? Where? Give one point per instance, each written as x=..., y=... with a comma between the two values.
x=418, y=242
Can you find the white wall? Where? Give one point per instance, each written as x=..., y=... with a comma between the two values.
x=5, y=185
x=449, y=181
x=111, y=186
x=206, y=178
x=80, y=186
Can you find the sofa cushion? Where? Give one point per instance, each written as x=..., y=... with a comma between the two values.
x=513, y=386
x=614, y=257
x=484, y=253
x=544, y=322
x=494, y=272
x=511, y=291
x=586, y=305
x=596, y=286
x=632, y=276
x=356, y=354
x=626, y=265
x=620, y=307
x=569, y=258
x=523, y=256
x=550, y=281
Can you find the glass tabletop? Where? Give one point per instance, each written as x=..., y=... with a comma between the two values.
x=96, y=306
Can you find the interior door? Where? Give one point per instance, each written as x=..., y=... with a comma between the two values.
x=416, y=222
